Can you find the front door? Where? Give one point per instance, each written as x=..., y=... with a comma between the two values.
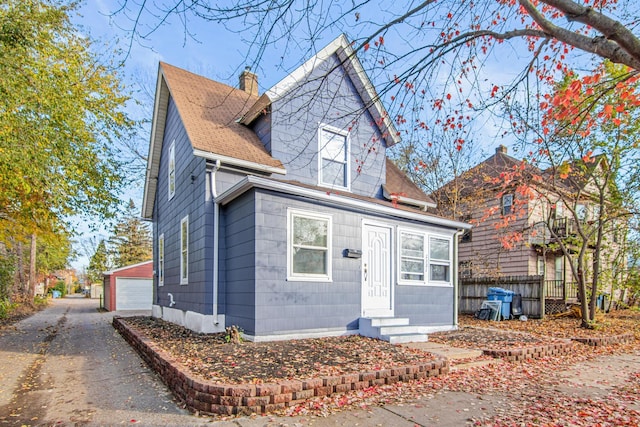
x=377, y=295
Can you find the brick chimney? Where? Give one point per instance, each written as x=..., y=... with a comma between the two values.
x=501, y=149
x=249, y=82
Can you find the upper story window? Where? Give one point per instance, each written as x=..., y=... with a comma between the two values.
x=466, y=234
x=333, y=169
x=541, y=266
x=161, y=260
x=507, y=204
x=424, y=259
x=172, y=170
x=184, y=250
x=581, y=212
x=309, y=246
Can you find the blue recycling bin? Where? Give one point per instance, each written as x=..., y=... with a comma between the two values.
x=56, y=294
x=503, y=295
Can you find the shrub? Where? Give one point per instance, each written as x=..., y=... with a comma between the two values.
x=60, y=286
x=5, y=307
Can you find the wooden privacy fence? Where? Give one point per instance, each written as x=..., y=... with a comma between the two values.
x=472, y=291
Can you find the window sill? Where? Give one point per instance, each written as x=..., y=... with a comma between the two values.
x=426, y=284
x=309, y=279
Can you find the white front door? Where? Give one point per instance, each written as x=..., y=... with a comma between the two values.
x=377, y=295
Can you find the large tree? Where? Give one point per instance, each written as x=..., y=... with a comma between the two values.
x=131, y=239
x=61, y=113
x=98, y=263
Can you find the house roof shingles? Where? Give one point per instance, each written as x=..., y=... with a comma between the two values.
x=398, y=183
x=210, y=110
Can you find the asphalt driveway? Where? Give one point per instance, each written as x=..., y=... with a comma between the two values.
x=67, y=365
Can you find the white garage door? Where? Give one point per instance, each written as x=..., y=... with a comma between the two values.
x=133, y=294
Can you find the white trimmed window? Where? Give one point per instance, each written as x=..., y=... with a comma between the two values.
x=333, y=169
x=439, y=260
x=412, y=257
x=184, y=250
x=541, y=265
x=172, y=170
x=424, y=259
x=507, y=204
x=581, y=212
x=308, y=246
x=161, y=260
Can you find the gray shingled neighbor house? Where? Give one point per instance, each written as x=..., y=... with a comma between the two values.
x=281, y=214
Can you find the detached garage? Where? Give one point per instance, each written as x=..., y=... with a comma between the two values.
x=129, y=288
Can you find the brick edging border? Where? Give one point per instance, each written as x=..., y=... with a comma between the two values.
x=535, y=352
x=211, y=398
x=600, y=341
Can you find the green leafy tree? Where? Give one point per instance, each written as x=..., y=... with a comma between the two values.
x=61, y=114
x=99, y=262
x=131, y=240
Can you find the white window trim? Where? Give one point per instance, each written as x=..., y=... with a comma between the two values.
x=506, y=197
x=425, y=248
x=302, y=277
x=170, y=177
x=161, y=259
x=541, y=265
x=427, y=259
x=184, y=278
x=347, y=177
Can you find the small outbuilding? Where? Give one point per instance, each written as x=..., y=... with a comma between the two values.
x=129, y=287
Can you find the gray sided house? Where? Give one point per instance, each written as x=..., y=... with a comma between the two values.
x=282, y=215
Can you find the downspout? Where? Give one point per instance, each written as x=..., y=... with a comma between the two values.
x=456, y=285
x=216, y=239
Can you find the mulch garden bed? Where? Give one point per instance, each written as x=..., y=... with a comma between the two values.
x=485, y=338
x=211, y=357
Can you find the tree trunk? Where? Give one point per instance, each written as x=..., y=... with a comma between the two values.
x=32, y=267
x=20, y=269
x=582, y=289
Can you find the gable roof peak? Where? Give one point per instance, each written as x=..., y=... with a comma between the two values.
x=346, y=54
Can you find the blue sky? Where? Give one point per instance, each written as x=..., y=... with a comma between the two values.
x=212, y=51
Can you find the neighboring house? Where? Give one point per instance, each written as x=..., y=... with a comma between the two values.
x=517, y=227
x=128, y=288
x=281, y=213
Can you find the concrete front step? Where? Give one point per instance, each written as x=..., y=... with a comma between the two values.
x=385, y=321
x=398, y=330
x=392, y=329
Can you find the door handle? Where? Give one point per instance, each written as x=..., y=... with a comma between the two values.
x=365, y=271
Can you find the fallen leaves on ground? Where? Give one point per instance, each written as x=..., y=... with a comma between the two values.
x=209, y=356
x=529, y=393
x=613, y=323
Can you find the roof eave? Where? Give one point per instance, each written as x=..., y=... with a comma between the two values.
x=155, y=145
x=422, y=204
x=283, y=187
x=239, y=163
